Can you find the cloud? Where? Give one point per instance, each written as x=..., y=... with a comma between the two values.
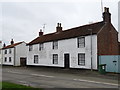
x=22, y=20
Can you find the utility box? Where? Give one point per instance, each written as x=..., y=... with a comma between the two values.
x=102, y=69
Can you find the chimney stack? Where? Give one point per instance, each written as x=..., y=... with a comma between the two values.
x=106, y=15
x=12, y=42
x=41, y=32
x=58, y=28
x=4, y=45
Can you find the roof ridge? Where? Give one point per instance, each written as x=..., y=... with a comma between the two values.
x=11, y=46
x=69, y=33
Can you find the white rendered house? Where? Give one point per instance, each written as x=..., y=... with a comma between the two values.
x=70, y=48
x=14, y=54
x=78, y=47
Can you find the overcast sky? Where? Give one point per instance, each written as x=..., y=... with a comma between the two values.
x=23, y=20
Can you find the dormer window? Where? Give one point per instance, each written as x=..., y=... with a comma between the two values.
x=81, y=42
x=55, y=44
x=30, y=48
x=41, y=46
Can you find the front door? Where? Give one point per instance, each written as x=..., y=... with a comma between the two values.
x=22, y=61
x=66, y=60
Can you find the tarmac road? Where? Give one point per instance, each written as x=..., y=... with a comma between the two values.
x=57, y=78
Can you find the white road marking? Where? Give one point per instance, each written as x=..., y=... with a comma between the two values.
x=14, y=72
x=24, y=83
x=95, y=82
x=41, y=75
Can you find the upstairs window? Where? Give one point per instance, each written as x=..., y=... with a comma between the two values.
x=41, y=46
x=36, y=59
x=55, y=58
x=81, y=42
x=5, y=51
x=10, y=51
x=30, y=48
x=81, y=59
x=55, y=44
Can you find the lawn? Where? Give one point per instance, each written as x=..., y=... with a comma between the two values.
x=11, y=86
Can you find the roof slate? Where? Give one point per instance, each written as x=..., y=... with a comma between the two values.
x=11, y=46
x=70, y=33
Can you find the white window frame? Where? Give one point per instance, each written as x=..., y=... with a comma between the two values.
x=5, y=52
x=36, y=59
x=81, y=42
x=5, y=59
x=55, y=44
x=30, y=47
x=10, y=59
x=41, y=46
x=55, y=58
x=81, y=59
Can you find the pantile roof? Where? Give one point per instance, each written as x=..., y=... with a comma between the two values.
x=70, y=33
x=11, y=46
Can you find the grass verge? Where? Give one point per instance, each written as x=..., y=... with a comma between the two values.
x=13, y=86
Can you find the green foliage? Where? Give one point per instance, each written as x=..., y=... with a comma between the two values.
x=13, y=86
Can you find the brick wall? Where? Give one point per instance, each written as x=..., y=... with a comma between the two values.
x=107, y=41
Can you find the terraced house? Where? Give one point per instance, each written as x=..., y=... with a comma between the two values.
x=14, y=54
x=78, y=47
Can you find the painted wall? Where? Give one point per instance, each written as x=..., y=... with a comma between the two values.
x=109, y=60
x=7, y=56
x=17, y=52
x=65, y=46
x=21, y=51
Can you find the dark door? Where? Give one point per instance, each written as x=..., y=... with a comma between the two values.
x=22, y=61
x=66, y=60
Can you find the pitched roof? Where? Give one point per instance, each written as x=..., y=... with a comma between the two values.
x=11, y=46
x=70, y=33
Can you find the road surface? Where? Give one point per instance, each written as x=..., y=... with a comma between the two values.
x=42, y=78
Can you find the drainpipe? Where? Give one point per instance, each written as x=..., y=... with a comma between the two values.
x=91, y=49
x=14, y=55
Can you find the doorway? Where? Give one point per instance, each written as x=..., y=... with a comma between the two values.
x=22, y=61
x=66, y=60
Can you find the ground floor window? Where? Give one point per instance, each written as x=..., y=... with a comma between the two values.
x=10, y=59
x=55, y=58
x=36, y=59
x=81, y=59
x=5, y=59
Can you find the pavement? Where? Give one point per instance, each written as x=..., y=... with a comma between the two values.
x=49, y=77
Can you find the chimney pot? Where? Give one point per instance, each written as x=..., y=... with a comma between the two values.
x=106, y=15
x=106, y=9
x=4, y=45
x=41, y=32
x=58, y=28
x=12, y=42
